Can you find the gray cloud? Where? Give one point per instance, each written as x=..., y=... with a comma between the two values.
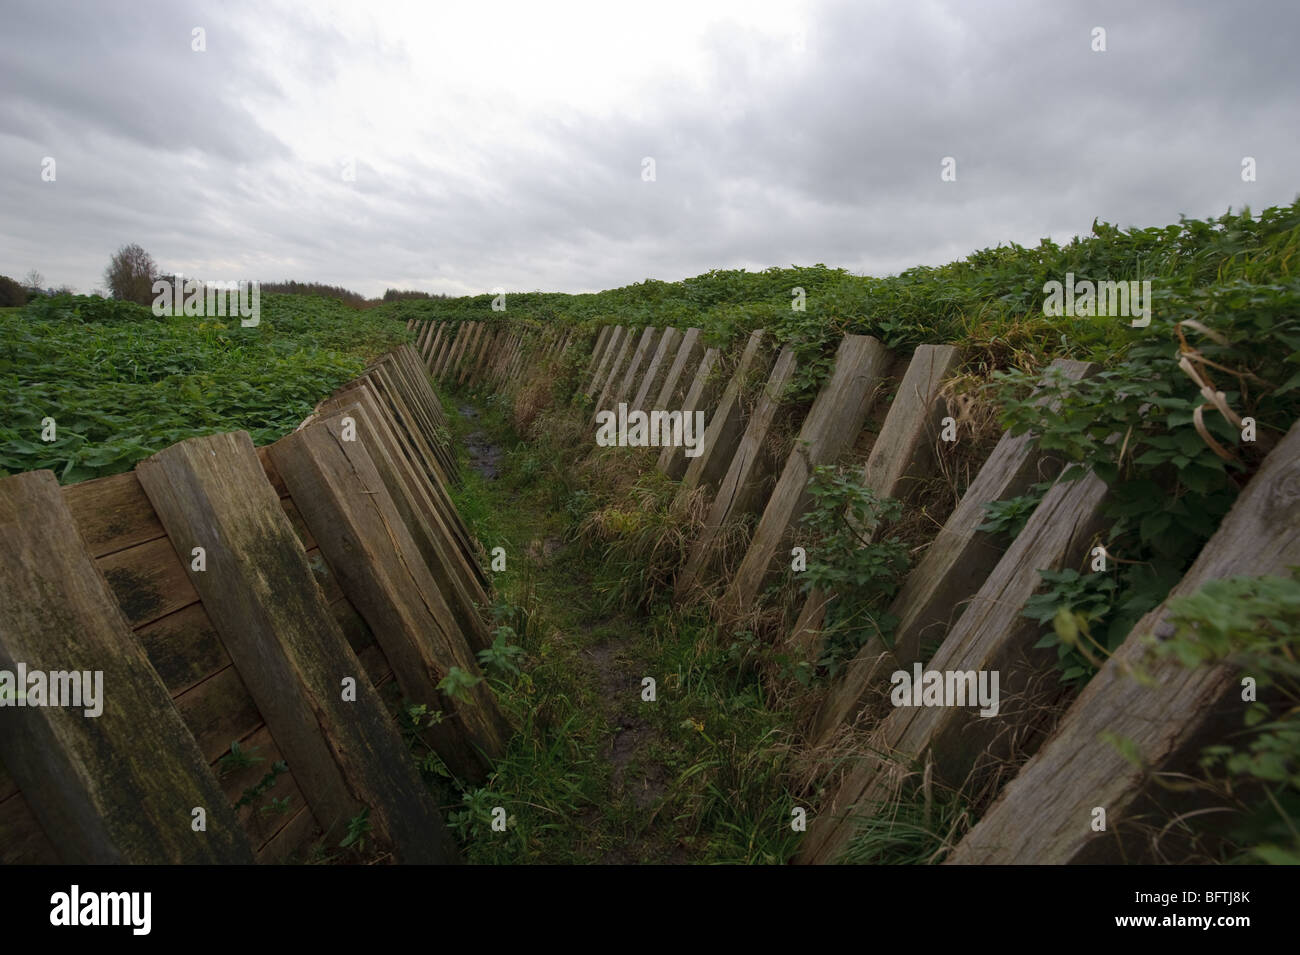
x=227, y=164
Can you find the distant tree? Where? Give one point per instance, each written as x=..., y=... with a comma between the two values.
x=34, y=281
x=348, y=296
x=398, y=295
x=130, y=275
x=11, y=293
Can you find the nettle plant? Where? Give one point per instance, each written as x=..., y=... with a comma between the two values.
x=848, y=559
x=1173, y=460
x=1253, y=623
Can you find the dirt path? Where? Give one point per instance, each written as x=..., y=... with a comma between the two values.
x=614, y=651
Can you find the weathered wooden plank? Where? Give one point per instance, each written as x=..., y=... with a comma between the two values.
x=259, y=592
x=183, y=648
x=458, y=344
x=148, y=580
x=218, y=710
x=471, y=337
x=616, y=369
x=601, y=373
x=112, y=513
x=475, y=353
x=22, y=840
x=905, y=448
x=725, y=426
x=990, y=636
x=381, y=570
x=292, y=841
x=739, y=490
x=453, y=566
x=431, y=353
x=80, y=773
x=675, y=383
x=598, y=350
x=454, y=331
x=498, y=336
x=702, y=396
x=957, y=562
x=636, y=366
x=656, y=370
x=833, y=423
x=1044, y=815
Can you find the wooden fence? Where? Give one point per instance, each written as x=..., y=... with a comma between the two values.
x=286, y=598
x=964, y=596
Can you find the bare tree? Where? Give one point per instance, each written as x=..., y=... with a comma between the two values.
x=130, y=275
x=34, y=281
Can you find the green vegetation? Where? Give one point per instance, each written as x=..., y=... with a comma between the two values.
x=121, y=384
x=1252, y=623
x=852, y=562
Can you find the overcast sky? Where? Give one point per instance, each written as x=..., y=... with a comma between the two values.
x=504, y=145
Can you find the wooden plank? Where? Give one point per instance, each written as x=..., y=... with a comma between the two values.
x=905, y=448
x=292, y=841
x=431, y=352
x=456, y=344
x=22, y=840
x=616, y=368
x=448, y=343
x=656, y=370
x=990, y=636
x=457, y=573
x=183, y=648
x=702, y=396
x=601, y=373
x=636, y=366
x=725, y=426
x=148, y=580
x=217, y=711
x=832, y=425
x=259, y=592
x=675, y=383
x=79, y=773
x=476, y=351
x=598, y=350
x=738, y=493
x=380, y=569
x=1043, y=817
x=957, y=562
x=494, y=342
x=112, y=513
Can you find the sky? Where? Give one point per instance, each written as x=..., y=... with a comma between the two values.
x=463, y=147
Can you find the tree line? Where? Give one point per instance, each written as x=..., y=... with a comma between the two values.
x=132, y=271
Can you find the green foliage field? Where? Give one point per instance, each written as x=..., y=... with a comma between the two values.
x=122, y=384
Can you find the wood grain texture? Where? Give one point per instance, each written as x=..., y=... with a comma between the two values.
x=990, y=635
x=380, y=569
x=832, y=425
x=954, y=567
x=112, y=513
x=260, y=594
x=739, y=491
x=1044, y=815
x=676, y=382
x=726, y=424
x=701, y=396
x=616, y=368
x=118, y=787
x=656, y=370
x=603, y=359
